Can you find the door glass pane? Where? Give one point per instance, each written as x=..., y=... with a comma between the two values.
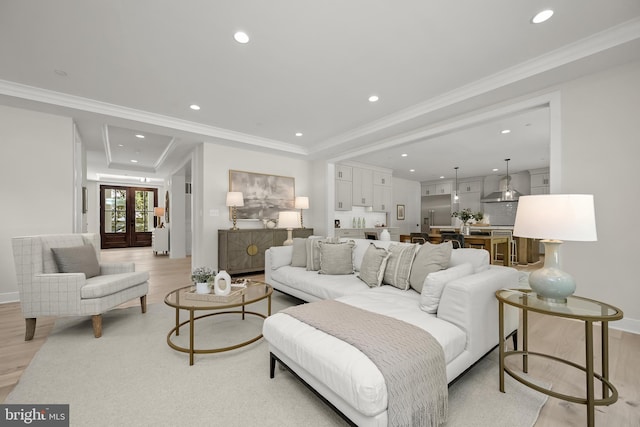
x=144, y=210
x=115, y=211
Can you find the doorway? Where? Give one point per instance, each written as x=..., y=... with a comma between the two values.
x=126, y=216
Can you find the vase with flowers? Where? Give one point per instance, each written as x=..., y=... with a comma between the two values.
x=203, y=277
x=466, y=215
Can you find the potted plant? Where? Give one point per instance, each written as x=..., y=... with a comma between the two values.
x=202, y=277
x=465, y=216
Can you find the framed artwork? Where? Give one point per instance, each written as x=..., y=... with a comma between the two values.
x=264, y=195
x=400, y=212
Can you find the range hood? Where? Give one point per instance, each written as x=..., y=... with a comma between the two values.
x=503, y=195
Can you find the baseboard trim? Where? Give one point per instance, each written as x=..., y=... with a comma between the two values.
x=9, y=297
x=628, y=325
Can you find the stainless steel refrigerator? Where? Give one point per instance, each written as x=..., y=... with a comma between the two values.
x=436, y=210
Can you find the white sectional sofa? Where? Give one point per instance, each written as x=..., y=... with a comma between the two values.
x=465, y=324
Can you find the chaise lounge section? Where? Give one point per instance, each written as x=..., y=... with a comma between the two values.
x=464, y=322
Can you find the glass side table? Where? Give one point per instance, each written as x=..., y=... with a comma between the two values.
x=578, y=308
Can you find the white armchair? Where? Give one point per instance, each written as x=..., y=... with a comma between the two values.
x=44, y=291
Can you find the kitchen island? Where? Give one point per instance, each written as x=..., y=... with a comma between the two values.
x=528, y=250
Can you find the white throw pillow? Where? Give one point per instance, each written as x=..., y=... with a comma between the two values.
x=435, y=282
x=280, y=256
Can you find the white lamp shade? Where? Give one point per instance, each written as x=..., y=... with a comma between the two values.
x=158, y=211
x=235, y=198
x=288, y=219
x=568, y=217
x=302, y=202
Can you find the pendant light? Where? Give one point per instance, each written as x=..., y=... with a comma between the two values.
x=508, y=194
x=455, y=192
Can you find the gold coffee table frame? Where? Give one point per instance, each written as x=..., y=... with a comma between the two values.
x=256, y=291
x=578, y=308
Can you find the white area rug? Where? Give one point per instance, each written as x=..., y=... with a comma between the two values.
x=131, y=377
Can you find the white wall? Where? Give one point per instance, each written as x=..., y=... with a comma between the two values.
x=36, y=171
x=406, y=193
x=600, y=154
x=215, y=161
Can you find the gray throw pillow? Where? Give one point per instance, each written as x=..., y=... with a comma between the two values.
x=299, y=256
x=373, y=265
x=77, y=259
x=430, y=258
x=336, y=258
x=399, y=265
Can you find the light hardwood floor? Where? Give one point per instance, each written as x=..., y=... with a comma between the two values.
x=563, y=338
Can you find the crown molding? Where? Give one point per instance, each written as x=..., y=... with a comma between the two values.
x=165, y=154
x=599, y=42
x=60, y=99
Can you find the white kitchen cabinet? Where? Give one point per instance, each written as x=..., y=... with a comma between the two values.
x=428, y=189
x=382, y=198
x=443, y=188
x=344, y=172
x=343, y=195
x=470, y=187
x=160, y=240
x=539, y=181
x=362, y=188
x=382, y=178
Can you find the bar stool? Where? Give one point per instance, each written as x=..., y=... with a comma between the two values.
x=457, y=239
x=512, y=244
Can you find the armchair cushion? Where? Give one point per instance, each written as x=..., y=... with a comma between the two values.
x=77, y=259
x=101, y=286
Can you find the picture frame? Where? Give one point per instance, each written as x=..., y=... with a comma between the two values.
x=400, y=212
x=264, y=195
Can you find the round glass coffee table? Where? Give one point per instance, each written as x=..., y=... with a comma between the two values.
x=185, y=299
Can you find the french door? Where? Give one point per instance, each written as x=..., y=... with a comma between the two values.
x=126, y=216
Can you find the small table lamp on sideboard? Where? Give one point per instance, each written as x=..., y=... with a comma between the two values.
x=288, y=220
x=159, y=213
x=234, y=199
x=302, y=202
x=554, y=218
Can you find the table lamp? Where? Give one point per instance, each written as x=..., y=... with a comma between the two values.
x=234, y=199
x=555, y=218
x=302, y=202
x=288, y=220
x=159, y=213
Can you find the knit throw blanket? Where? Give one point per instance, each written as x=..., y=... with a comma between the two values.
x=409, y=358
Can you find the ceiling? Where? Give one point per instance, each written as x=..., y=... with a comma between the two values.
x=125, y=68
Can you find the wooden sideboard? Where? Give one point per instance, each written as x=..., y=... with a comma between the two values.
x=242, y=251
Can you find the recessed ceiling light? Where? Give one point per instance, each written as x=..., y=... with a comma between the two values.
x=139, y=135
x=542, y=16
x=61, y=73
x=120, y=145
x=373, y=98
x=412, y=170
x=495, y=169
x=241, y=37
x=442, y=177
x=505, y=131
x=298, y=133
x=134, y=161
x=404, y=154
x=194, y=107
